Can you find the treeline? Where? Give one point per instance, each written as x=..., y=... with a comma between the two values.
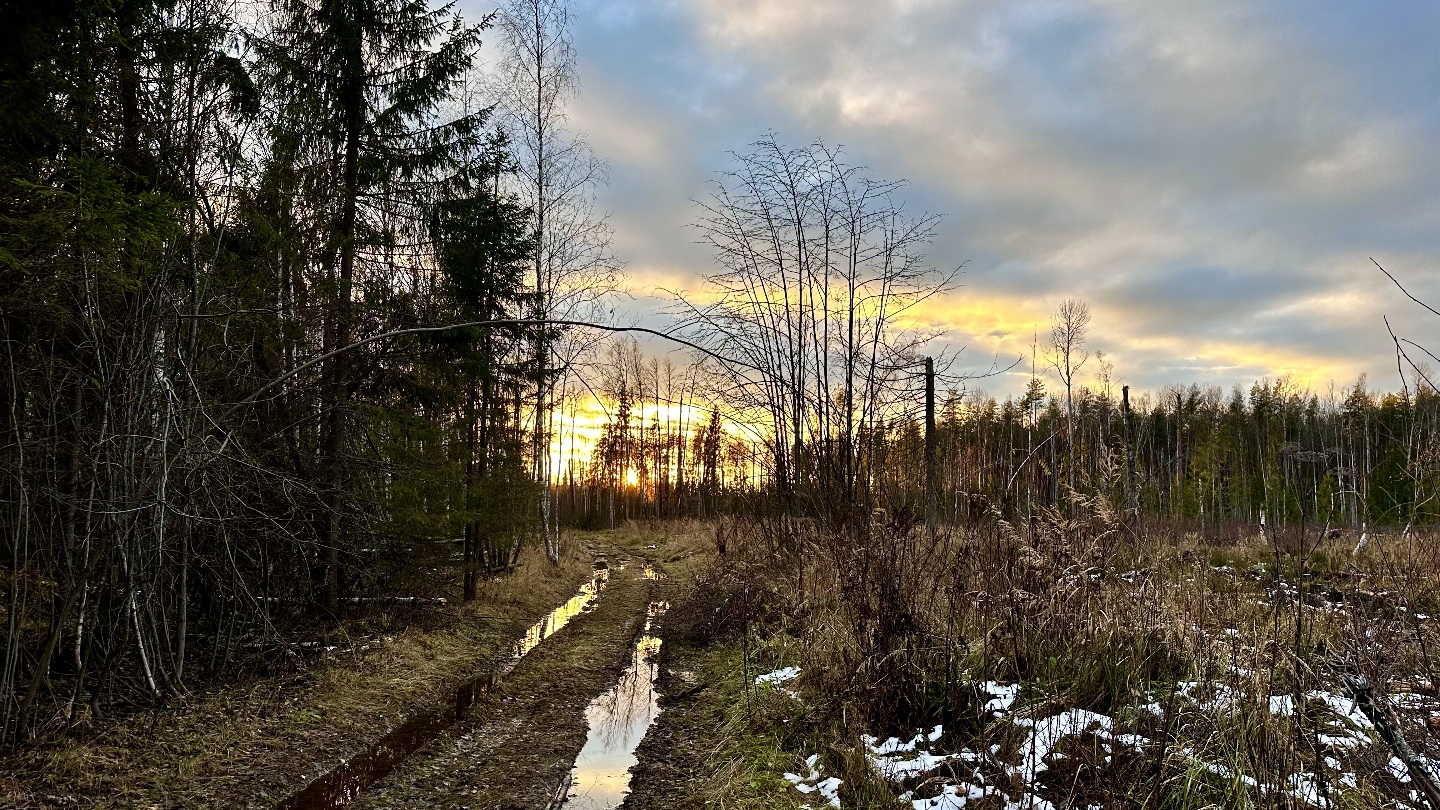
x=1202, y=457
x=1210, y=458
x=217, y=223
x=664, y=448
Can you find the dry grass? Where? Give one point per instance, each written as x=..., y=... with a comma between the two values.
x=260, y=738
x=1200, y=649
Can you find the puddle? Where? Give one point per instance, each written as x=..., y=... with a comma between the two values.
x=340, y=786
x=618, y=721
x=581, y=602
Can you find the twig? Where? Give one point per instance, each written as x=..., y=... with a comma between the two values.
x=1403, y=290
x=419, y=330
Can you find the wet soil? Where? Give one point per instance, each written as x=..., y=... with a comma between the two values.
x=672, y=762
x=519, y=742
x=253, y=745
x=618, y=721
x=337, y=788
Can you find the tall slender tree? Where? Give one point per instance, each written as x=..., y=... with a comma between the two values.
x=1066, y=355
x=359, y=85
x=557, y=175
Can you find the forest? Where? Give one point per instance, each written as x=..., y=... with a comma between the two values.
x=220, y=223
x=304, y=304
x=1186, y=455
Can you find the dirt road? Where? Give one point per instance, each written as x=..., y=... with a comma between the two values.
x=519, y=741
x=273, y=742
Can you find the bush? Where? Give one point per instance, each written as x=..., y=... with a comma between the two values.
x=726, y=599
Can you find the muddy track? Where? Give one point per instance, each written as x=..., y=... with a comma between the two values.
x=672, y=753
x=520, y=739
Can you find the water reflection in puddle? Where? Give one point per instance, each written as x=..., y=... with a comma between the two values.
x=340, y=786
x=618, y=721
x=581, y=602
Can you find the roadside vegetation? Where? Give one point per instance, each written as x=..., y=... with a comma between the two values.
x=1073, y=665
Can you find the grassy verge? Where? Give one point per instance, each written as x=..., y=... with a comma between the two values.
x=251, y=743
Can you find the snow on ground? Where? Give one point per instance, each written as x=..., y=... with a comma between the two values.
x=954, y=779
x=778, y=676
x=816, y=782
x=898, y=761
x=1001, y=698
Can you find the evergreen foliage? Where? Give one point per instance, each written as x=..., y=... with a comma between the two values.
x=192, y=207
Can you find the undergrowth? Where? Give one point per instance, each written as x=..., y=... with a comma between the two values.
x=1229, y=666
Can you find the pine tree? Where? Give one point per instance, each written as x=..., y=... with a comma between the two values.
x=483, y=244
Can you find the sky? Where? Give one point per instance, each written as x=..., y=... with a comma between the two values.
x=1211, y=177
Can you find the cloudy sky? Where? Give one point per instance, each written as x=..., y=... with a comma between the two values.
x=1211, y=176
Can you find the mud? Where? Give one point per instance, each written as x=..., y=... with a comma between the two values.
x=618, y=720
x=340, y=786
x=671, y=757
x=516, y=747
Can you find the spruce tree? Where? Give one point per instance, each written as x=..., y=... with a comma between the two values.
x=360, y=84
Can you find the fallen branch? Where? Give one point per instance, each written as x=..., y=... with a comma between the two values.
x=1383, y=716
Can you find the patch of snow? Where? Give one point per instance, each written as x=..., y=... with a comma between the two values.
x=890, y=746
x=1037, y=753
x=898, y=770
x=779, y=676
x=1045, y=734
x=885, y=756
x=1304, y=787
x=1002, y=697
x=1133, y=741
x=1225, y=772
x=1153, y=708
x=828, y=788
x=1282, y=705
x=1222, y=697
x=1018, y=785
x=952, y=797
x=1409, y=700
x=1345, y=707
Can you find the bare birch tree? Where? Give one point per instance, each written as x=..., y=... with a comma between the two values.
x=558, y=177
x=1066, y=354
x=819, y=270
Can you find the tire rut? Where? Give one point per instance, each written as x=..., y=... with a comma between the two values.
x=517, y=745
